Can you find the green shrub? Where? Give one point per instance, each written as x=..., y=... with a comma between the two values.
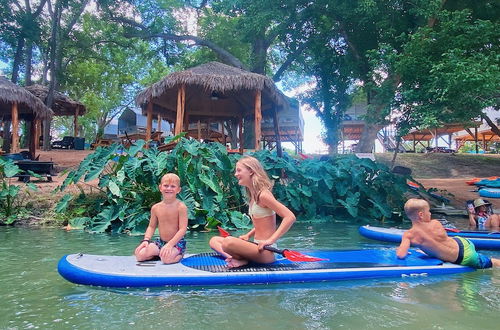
x=11, y=199
x=311, y=188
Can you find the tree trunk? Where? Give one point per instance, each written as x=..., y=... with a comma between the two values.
x=29, y=57
x=6, y=136
x=54, y=44
x=232, y=130
x=366, y=143
x=494, y=128
x=259, y=54
x=18, y=57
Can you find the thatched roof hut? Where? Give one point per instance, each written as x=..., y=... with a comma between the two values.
x=63, y=105
x=29, y=106
x=212, y=92
x=212, y=89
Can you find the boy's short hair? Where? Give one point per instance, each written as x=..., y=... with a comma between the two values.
x=170, y=178
x=413, y=206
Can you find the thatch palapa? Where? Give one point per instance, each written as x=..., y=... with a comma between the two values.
x=29, y=106
x=63, y=105
x=213, y=90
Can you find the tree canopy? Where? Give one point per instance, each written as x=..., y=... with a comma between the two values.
x=432, y=61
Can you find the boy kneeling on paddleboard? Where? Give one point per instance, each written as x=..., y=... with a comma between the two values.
x=170, y=216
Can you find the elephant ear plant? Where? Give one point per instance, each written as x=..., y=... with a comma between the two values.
x=11, y=197
x=314, y=189
x=128, y=184
x=343, y=186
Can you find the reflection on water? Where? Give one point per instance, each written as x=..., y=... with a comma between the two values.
x=33, y=295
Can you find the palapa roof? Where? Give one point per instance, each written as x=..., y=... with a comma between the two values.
x=214, y=90
x=428, y=134
x=63, y=105
x=29, y=106
x=485, y=134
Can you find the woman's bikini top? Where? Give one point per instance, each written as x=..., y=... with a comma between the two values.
x=256, y=211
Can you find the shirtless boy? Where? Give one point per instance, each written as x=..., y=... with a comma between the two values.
x=430, y=236
x=170, y=216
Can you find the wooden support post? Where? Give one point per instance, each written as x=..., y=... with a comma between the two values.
x=475, y=139
x=149, y=122
x=240, y=137
x=224, y=140
x=436, y=137
x=75, y=121
x=37, y=133
x=179, y=121
x=33, y=138
x=277, y=132
x=158, y=124
x=199, y=130
x=15, y=128
x=258, y=118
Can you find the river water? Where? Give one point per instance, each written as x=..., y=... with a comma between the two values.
x=34, y=296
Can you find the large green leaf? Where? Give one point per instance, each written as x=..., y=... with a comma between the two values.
x=240, y=220
x=10, y=169
x=63, y=203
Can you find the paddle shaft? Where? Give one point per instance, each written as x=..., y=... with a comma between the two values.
x=270, y=248
x=288, y=254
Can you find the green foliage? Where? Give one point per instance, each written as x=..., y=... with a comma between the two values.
x=338, y=187
x=343, y=186
x=10, y=194
x=450, y=72
x=129, y=180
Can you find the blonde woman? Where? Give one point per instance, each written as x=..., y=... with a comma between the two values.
x=262, y=208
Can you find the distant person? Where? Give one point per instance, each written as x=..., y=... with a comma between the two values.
x=170, y=216
x=262, y=208
x=481, y=215
x=430, y=236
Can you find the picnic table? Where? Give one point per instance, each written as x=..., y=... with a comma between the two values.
x=101, y=143
x=128, y=139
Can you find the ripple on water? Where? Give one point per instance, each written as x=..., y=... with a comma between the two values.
x=33, y=295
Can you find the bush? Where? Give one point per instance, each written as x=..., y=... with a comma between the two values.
x=311, y=188
x=11, y=201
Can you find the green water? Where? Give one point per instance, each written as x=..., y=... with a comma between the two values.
x=33, y=295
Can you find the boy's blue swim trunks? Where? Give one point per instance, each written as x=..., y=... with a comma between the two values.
x=181, y=245
x=467, y=255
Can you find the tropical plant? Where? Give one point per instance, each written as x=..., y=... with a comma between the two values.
x=129, y=181
x=341, y=186
x=11, y=201
x=313, y=188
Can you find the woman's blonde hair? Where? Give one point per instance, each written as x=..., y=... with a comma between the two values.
x=260, y=179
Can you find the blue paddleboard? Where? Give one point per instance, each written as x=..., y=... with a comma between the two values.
x=481, y=239
x=210, y=269
x=489, y=192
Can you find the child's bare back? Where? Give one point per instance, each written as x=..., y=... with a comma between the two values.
x=431, y=238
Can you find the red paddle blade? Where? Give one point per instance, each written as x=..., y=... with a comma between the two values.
x=223, y=232
x=297, y=256
x=453, y=230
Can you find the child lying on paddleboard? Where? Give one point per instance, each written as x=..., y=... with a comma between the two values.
x=430, y=236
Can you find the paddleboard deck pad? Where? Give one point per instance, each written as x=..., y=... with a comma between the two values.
x=481, y=239
x=210, y=269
